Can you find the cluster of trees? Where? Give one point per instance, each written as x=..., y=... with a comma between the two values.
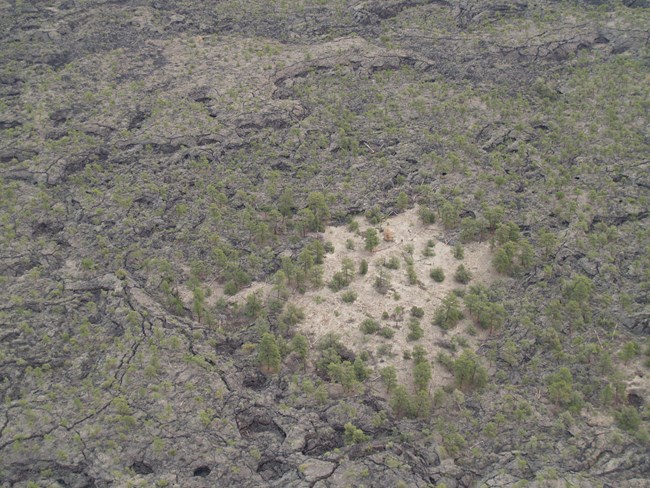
x=467, y=369
x=333, y=363
x=301, y=273
x=271, y=349
x=572, y=309
x=370, y=326
x=514, y=254
x=403, y=402
x=262, y=225
x=343, y=278
x=561, y=391
x=448, y=314
x=482, y=306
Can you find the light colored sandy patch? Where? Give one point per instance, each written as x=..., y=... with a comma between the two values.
x=326, y=312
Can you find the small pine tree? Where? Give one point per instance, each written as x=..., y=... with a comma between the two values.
x=389, y=377
x=415, y=331
x=268, y=354
x=198, y=303
x=422, y=375
x=458, y=252
x=371, y=239
x=360, y=370
x=354, y=435
x=347, y=269
x=300, y=345
x=427, y=216
x=321, y=212
x=468, y=371
x=402, y=201
x=401, y=401
x=285, y=203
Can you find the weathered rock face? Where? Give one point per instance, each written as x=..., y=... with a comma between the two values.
x=154, y=154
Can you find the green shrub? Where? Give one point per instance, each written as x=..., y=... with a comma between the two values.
x=428, y=249
x=387, y=332
x=437, y=275
x=427, y=216
x=230, y=288
x=412, y=275
x=349, y=296
x=629, y=351
x=374, y=215
x=369, y=326
x=462, y=275
x=363, y=267
x=628, y=418
x=338, y=281
x=417, y=312
x=392, y=262
x=458, y=252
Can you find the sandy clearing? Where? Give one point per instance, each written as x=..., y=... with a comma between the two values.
x=326, y=312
